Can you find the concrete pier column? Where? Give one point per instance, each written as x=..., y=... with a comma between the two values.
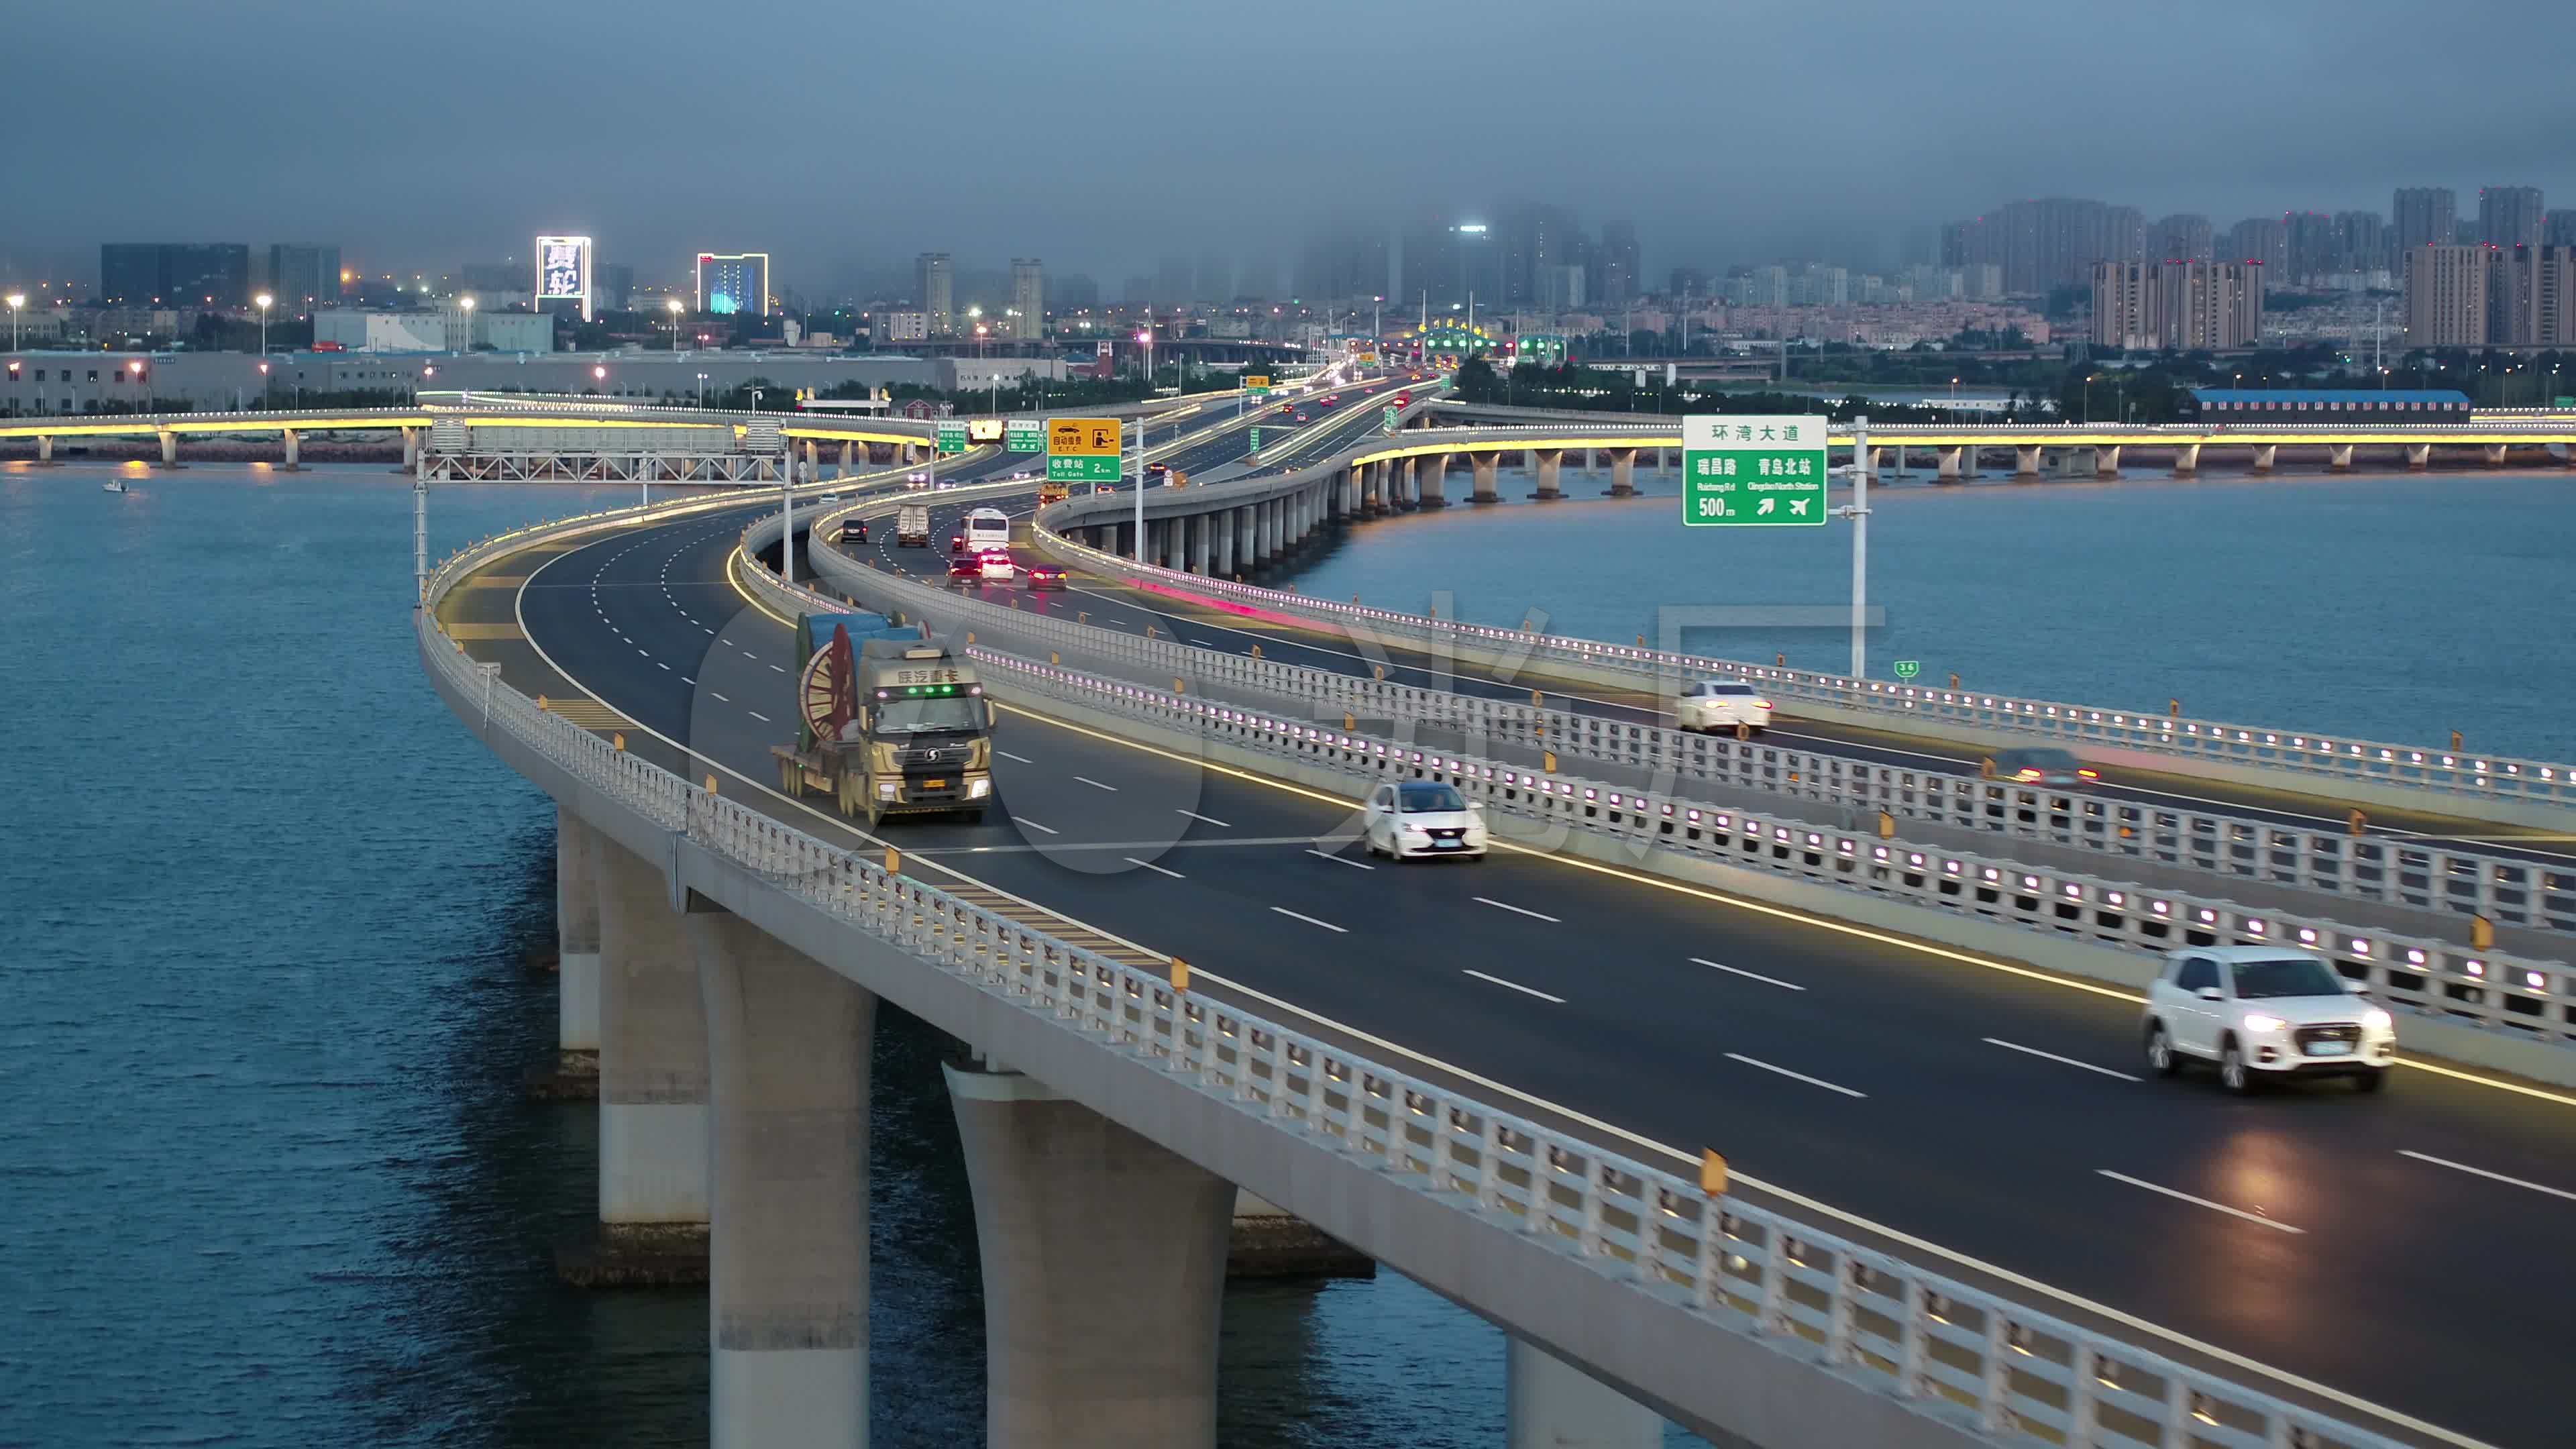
x=1623, y=473
x=652, y=1056
x=1372, y=490
x=813, y=470
x=1199, y=530
x=44, y=447
x=1483, y=491
x=787, y=1155
x=1247, y=545
x=1549, y=461
x=2026, y=461
x=1104, y=1269
x=2264, y=454
x=848, y=449
x=1433, y=479
x=169, y=449
x=2494, y=452
x=2419, y=455
x=2106, y=461
x=294, y=453
x=577, y=853
x=1221, y=544
x=411, y=446
x=1948, y=467
x=2339, y=457
x=2186, y=459
x=1413, y=482
x=1551, y=1404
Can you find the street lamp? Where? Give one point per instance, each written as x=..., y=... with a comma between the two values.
x=599, y=378
x=674, y=305
x=702, y=390
x=264, y=300
x=16, y=301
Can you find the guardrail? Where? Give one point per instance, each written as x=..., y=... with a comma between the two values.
x=2380, y=869
x=2320, y=757
x=1947, y=1349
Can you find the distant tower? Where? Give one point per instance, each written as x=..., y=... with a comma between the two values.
x=1028, y=300
x=938, y=278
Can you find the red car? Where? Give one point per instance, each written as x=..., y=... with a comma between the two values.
x=966, y=568
x=1046, y=576
x=956, y=543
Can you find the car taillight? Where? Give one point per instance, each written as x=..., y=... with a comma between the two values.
x=2027, y=775
x=2088, y=774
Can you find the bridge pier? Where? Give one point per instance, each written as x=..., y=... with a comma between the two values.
x=2339, y=457
x=1484, y=465
x=1549, y=461
x=2495, y=455
x=45, y=449
x=411, y=448
x=1551, y=1404
x=813, y=470
x=2186, y=459
x=2026, y=461
x=1413, y=482
x=169, y=449
x=577, y=852
x=1202, y=529
x=2419, y=455
x=294, y=454
x=1623, y=473
x=787, y=1156
x=1433, y=480
x=2264, y=454
x=847, y=454
x=2106, y=462
x=1221, y=546
x=1104, y=1271
x=652, y=1079
x=1948, y=464
x=1247, y=539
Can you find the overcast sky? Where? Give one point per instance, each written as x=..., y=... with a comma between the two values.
x=1101, y=135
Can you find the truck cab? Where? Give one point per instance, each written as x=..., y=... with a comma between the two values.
x=927, y=728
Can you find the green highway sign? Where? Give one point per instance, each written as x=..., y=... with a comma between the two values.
x=1024, y=435
x=1389, y=413
x=1908, y=668
x=1753, y=471
x=1256, y=440
x=1082, y=468
x=950, y=437
x=2564, y=402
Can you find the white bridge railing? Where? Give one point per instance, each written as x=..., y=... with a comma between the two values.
x=1886, y=1325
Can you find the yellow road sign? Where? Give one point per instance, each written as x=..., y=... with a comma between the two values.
x=1255, y=380
x=1083, y=437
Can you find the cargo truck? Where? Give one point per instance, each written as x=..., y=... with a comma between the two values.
x=888, y=724
x=912, y=526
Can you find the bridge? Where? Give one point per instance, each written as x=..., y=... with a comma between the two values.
x=1905, y=992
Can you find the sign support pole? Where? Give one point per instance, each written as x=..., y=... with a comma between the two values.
x=787, y=501
x=1140, y=483
x=1859, y=512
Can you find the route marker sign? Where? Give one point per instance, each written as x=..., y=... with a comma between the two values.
x=949, y=437
x=1389, y=414
x=1256, y=385
x=1256, y=440
x=1753, y=471
x=1908, y=668
x=1023, y=435
x=1084, y=450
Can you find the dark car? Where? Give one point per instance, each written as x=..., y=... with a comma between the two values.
x=2054, y=768
x=1046, y=576
x=956, y=543
x=1157, y=470
x=855, y=531
x=966, y=568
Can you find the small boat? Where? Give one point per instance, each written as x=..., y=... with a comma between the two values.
x=114, y=485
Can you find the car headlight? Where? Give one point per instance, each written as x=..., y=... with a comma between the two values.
x=2377, y=1020
x=1415, y=830
x=2262, y=1024
x=978, y=789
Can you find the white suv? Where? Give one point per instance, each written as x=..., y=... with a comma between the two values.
x=1721, y=704
x=2262, y=1012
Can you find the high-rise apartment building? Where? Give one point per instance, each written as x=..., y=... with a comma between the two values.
x=2558, y=229
x=2209, y=306
x=175, y=274
x=2124, y=234
x=303, y=278
x=2263, y=240
x=2509, y=216
x=1028, y=300
x=2124, y=305
x=2310, y=247
x=2361, y=240
x=2553, y=291
x=1618, y=263
x=2446, y=295
x=2182, y=237
x=2424, y=216
x=935, y=276
x=2513, y=296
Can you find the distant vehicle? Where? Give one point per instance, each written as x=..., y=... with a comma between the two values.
x=1720, y=704
x=998, y=566
x=2263, y=1013
x=1053, y=492
x=987, y=528
x=330, y=346
x=1155, y=471
x=1419, y=818
x=1333, y=401
x=1046, y=576
x=1297, y=417
x=912, y=526
x=854, y=531
x=916, y=480
x=2053, y=768
x=1404, y=399
x=829, y=498
x=956, y=543
x=966, y=568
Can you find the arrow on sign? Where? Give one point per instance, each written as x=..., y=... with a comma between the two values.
x=1766, y=505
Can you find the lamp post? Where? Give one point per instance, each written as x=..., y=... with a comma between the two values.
x=599, y=378
x=674, y=305
x=16, y=301
x=265, y=301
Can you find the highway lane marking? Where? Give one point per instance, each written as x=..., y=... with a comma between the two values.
x=1033, y=825
x=1338, y=860
x=1310, y=920
x=2011, y=1046
x=658, y=664
x=2233, y=1212
x=684, y=679
x=1149, y=865
x=780, y=668
x=1523, y=910
x=1210, y=819
x=756, y=714
x=1516, y=986
x=719, y=696
x=1096, y=785
x=1752, y=975
x=2482, y=1172
x=1795, y=1076
x=1023, y=759
x=1681, y=1159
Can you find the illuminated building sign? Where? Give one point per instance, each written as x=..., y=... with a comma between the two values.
x=563, y=271
x=730, y=283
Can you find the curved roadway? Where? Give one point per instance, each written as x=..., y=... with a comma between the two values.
x=2400, y=1251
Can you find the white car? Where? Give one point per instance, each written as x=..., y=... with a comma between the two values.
x=997, y=565
x=1721, y=704
x=916, y=480
x=1419, y=818
x=2262, y=1013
